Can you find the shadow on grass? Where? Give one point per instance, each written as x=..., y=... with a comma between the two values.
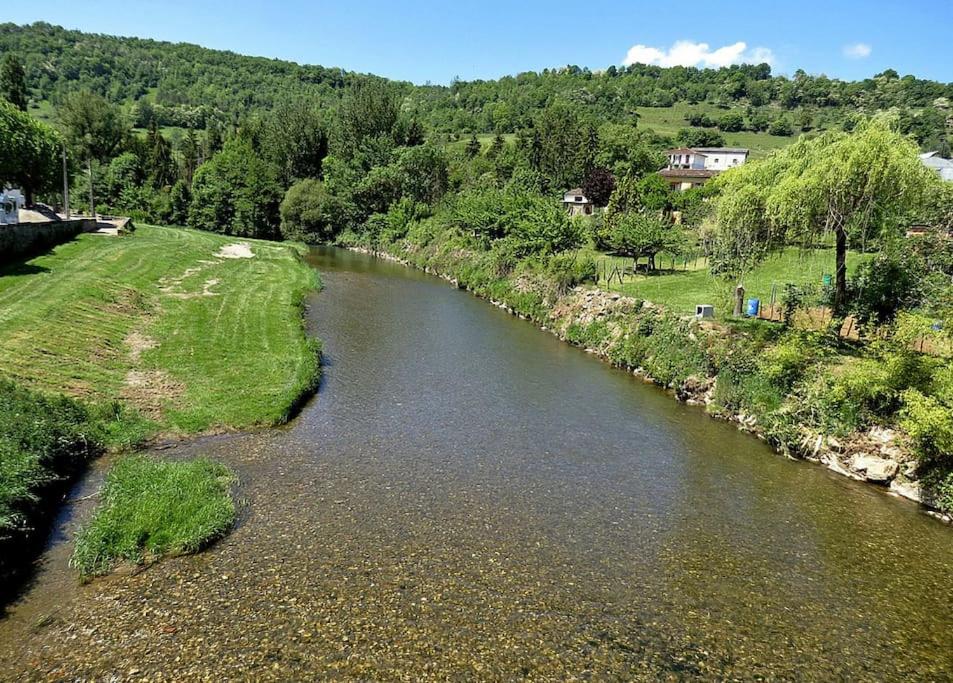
x=22, y=268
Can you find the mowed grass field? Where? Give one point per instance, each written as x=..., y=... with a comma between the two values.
x=681, y=289
x=163, y=322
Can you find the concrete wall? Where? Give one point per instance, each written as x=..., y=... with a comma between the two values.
x=25, y=239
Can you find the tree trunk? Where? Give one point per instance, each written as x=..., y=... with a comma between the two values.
x=28, y=196
x=840, y=271
x=92, y=201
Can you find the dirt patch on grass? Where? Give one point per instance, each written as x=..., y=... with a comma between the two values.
x=150, y=391
x=137, y=343
x=237, y=250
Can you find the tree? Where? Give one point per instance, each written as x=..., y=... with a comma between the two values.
x=561, y=146
x=95, y=129
x=781, y=126
x=425, y=174
x=639, y=234
x=367, y=121
x=473, y=147
x=160, y=163
x=309, y=212
x=29, y=152
x=599, y=186
x=849, y=185
x=236, y=193
x=294, y=138
x=496, y=147
x=731, y=121
x=699, y=137
x=13, y=81
x=627, y=151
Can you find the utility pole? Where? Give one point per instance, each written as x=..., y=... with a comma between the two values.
x=92, y=202
x=65, y=185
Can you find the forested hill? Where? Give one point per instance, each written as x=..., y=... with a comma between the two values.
x=185, y=85
x=182, y=84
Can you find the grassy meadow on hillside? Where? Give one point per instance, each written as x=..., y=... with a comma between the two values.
x=162, y=321
x=669, y=120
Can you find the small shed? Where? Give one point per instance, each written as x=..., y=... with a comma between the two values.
x=576, y=203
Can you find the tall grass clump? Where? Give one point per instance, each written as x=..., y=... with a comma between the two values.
x=153, y=508
x=44, y=441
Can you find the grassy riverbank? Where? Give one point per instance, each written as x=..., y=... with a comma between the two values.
x=167, y=322
x=152, y=508
x=108, y=341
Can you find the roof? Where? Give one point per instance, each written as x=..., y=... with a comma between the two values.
x=723, y=150
x=687, y=173
x=576, y=192
x=684, y=150
x=944, y=167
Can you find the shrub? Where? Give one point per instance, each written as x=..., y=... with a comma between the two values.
x=784, y=363
x=568, y=269
x=309, y=213
x=929, y=423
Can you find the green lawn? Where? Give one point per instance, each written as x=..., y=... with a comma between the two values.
x=690, y=284
x=163, y=323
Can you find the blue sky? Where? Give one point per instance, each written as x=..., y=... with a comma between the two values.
x=435, y=41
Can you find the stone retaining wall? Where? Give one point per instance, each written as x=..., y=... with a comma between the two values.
x=24, y=239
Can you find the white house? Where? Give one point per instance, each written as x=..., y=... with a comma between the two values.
x=723, y=158
x=11, y=201
x=942, y=167
x=693, y=167
x=576, y=203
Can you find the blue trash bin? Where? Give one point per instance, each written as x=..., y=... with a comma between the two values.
x=754, y=307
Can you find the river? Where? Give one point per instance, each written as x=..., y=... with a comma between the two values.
x=468, y=497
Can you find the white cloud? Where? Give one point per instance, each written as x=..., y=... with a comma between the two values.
x=857, y=50
x=689, y=53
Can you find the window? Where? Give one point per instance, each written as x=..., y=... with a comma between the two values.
x=578, y=199
x=716, y=160
x=734, y=162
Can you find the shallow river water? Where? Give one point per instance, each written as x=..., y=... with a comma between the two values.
x=469, y=498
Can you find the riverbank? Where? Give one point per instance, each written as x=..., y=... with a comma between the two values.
x=197, y=332
x=808, y=397
x=164, y=333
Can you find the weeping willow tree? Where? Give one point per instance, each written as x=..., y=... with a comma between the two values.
x=849, y=185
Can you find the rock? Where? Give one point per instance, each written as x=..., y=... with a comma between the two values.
x=907, y=489
x=875, y=468
x=882, y=435
x=835, y=444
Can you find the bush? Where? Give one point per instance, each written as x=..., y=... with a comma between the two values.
x=309, y=213
x=150, y=508
x=886, y=284
x=929, y=423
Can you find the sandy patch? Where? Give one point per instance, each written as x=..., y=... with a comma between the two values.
x=137, y=343
x=237, y=250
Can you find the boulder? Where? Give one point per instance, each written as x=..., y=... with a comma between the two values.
x=875, y=468
x=907, y=489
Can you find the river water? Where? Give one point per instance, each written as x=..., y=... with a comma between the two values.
x=469, y=498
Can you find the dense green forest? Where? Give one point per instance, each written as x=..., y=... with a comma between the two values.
x=181, y=85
